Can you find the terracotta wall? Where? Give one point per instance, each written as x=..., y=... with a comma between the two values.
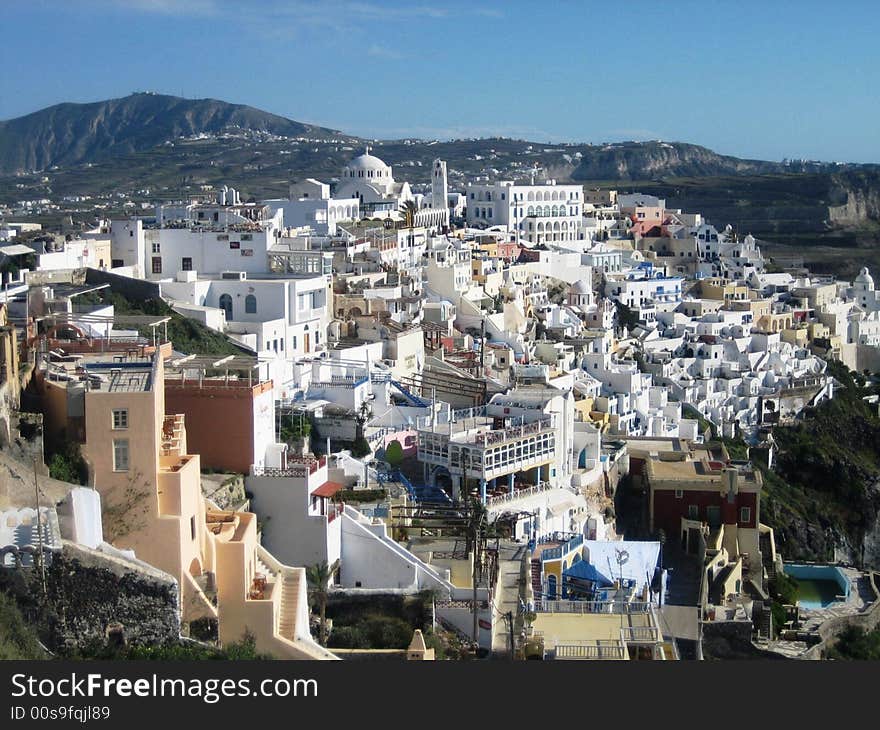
x=219, y=422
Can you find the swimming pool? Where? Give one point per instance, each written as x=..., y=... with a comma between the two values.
x=819, y=586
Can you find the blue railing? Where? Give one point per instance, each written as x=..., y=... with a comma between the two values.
x=410, y=396
x=416, y=492
x=566, y=547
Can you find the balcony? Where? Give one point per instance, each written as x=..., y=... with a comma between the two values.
x=173, y=434
x=297, y=466
x=613, y=607
x=557, y=552
x=599, y=649
x=519, y=494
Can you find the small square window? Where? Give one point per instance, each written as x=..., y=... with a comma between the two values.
x=693, y=512
x=120, y=418
x=745, y=515
x=679, y=493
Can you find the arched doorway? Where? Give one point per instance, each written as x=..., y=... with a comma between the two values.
x=226, y=305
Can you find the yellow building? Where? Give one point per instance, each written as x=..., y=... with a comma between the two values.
x=572, y=630
x=9, y=383
x=724, y=289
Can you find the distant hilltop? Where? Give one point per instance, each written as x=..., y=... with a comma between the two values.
x=70, y=134
x=73, y=134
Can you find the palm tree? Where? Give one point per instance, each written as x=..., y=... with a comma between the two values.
x=318, y=576
x=409, y=210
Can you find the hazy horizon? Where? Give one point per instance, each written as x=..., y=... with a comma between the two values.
x=790, y=81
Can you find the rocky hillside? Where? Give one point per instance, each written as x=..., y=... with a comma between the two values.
x=861, y=188
x=823, y=495
x=67, y=134
x=652, y=160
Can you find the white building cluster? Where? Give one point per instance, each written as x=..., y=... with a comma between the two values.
x=510, y=338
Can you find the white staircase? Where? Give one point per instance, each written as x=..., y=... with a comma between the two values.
x=289, y=605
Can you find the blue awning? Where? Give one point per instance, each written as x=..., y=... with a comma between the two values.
x=584, y=571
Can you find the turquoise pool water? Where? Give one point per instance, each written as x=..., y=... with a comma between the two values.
x=816, y=593
x=818, y=585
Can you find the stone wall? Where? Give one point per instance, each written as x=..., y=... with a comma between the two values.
x=832, y=628
x=732, y=640
x=132, y=289
x=91, y=591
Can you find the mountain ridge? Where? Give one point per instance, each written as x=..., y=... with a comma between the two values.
x=73, y=133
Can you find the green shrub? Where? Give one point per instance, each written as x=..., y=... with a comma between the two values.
x=348, y=637
x=68, y=465
x=387, y=632
x=18, y=640
x=856, y=643
x=394, y=453
x=360, y=447
x=361, y=495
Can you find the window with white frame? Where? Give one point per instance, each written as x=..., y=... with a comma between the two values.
x=120, y=454
x=120, y=418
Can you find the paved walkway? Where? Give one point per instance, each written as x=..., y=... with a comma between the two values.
x=859, y=599
x=509, y=559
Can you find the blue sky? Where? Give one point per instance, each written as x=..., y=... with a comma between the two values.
x=768, y=80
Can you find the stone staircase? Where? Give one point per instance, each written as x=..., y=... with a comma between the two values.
x=261, y=567
x=536, y=579
x=289, y=605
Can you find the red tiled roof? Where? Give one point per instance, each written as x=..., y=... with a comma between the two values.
x=327, y=489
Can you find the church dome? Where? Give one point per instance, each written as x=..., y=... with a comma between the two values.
x=580, y=287
x=368, y=163
x=865, y=279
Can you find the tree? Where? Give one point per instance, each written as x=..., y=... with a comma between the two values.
x=361, y=446
x=318, y=577
x=394, y=453
x=409, y=210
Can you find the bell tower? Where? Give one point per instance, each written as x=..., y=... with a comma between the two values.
x=439, y=187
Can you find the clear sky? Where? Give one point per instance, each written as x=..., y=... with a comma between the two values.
x=766, y=79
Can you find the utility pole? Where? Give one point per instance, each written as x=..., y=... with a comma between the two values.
x=476, y=529
x=40, y=555
x=509, y=617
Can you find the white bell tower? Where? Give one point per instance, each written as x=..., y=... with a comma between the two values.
x=439, y=187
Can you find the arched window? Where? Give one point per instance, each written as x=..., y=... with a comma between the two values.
x=547, y=210
x=250, y=304
x=531, y=210
x=226, y=305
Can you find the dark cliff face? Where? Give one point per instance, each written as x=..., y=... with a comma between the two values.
x=67, y=134
x=823, y=495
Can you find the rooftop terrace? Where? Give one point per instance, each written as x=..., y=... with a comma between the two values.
x=99, y=373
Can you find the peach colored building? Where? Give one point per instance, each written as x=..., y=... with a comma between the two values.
x=152, y=503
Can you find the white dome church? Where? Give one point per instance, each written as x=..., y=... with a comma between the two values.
x=863, y=291
x=372, y=181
